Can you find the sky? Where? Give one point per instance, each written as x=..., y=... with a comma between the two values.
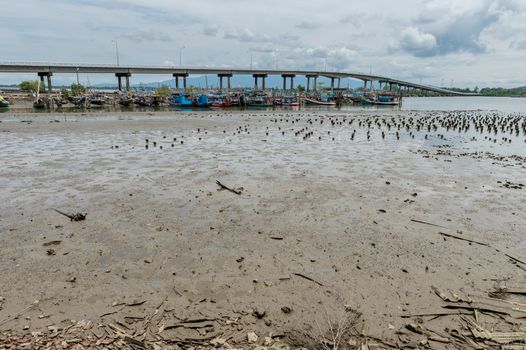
x=464, y=43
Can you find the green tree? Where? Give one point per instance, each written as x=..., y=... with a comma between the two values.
x=163, y=91
x=31, y=86
x=77, y=89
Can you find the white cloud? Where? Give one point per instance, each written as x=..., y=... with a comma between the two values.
x=417, y=42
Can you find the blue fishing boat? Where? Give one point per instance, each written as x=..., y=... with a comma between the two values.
x=180, y=101
x=382, y=99
x=202, y=101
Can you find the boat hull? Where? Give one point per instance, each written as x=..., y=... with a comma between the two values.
x=380, y=103
x=260, y=105
x=319, y=103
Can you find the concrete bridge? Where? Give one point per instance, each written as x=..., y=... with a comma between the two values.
x=47, y=70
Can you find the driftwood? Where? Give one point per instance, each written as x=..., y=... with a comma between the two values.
x=308, y=278
x=427, y=223
x=463, y=239
x=73, y=217
x=223, y=187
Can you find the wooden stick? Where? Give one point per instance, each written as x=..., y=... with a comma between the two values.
x=427, y=223
x=307, y=278
x=223, y=187
x=463, y=239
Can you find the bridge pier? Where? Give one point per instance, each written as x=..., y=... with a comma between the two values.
x=48, y=75
x=224, y=75
x=314, y=78
x=119, y=80
x=256, y=77
x=285, y=76
x=339, y=82
x=180, y=75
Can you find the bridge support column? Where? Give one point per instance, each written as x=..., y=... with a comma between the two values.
x=365, y=87
x=224, y=75
x=285, y=76
x=315, y=83
x=308, y=83
x=119, y=80
x=180, y=75
x=256, y=80
x=339, y=82
x=332, y=83
x=48, y=75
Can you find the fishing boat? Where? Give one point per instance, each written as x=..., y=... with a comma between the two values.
x=3, y=102
x=259, y=100
x=98, y=100
x=201, y=101
x=382, y=99
x=143, y=100
x=289, y=101
x=235, y=99
x=125, y=100
x=180, y=100
x=78, y=101
x=319, y=101
x=39, y=104
x=219, y=100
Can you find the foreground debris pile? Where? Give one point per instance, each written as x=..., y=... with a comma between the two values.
x=495, y=321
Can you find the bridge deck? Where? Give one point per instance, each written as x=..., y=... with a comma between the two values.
x=28, y=67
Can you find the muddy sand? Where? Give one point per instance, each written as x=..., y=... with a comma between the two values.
x=334, y=221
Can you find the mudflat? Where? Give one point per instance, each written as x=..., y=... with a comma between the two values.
x=375, y=217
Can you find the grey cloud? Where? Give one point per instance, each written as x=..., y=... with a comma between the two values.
x=263, y=49
x=246, y=35
x=139, y=36
x=212, y=30
x=307, y=25
x=315, y=58
x=418, y=43
x=148, y=12
x=441, y=33
x=519, y=45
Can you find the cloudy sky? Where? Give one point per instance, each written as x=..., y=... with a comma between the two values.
x=469, y=42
